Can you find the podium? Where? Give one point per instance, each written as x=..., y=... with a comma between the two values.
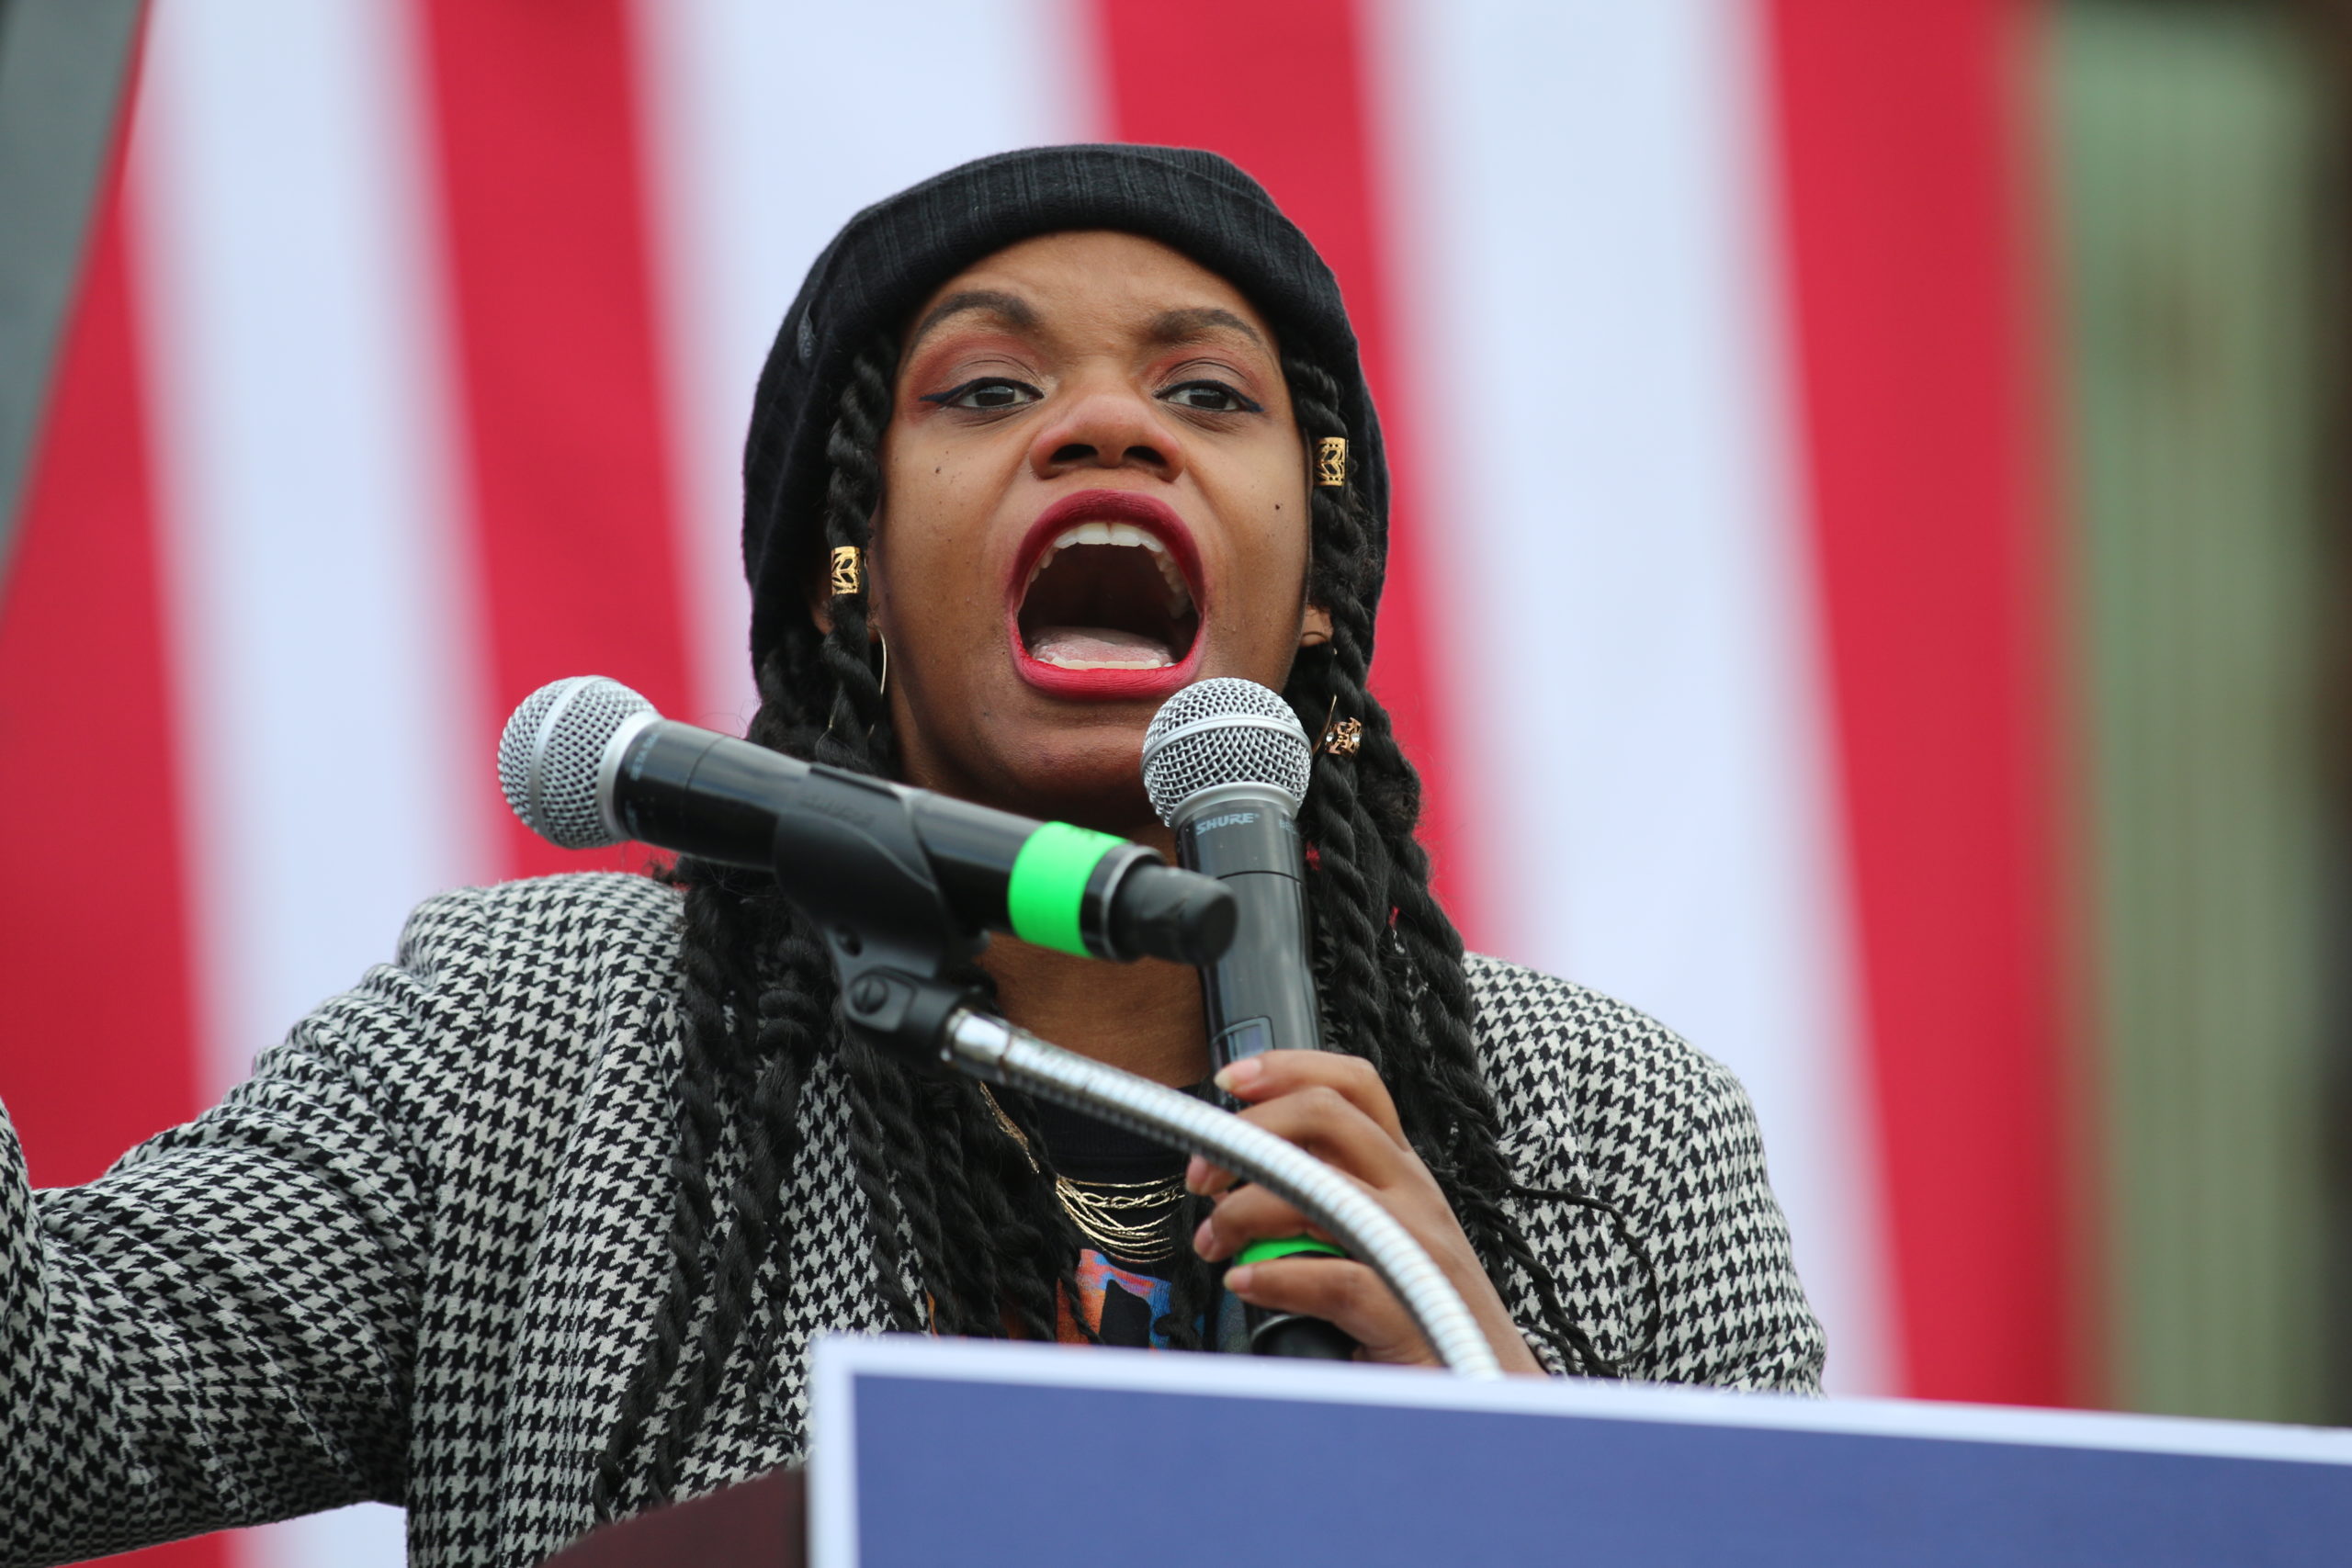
x=930, y=1452
x=976, y=1452
x=759, y=1523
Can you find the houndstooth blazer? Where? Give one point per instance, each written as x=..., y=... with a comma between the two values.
x=415, y=1256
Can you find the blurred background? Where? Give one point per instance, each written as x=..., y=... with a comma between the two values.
x=1869, y=563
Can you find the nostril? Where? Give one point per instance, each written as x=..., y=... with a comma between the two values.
x=1084, y=453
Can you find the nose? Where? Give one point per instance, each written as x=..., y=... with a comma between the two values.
x=1106, y=427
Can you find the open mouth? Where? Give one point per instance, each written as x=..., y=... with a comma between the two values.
x=1107, y=594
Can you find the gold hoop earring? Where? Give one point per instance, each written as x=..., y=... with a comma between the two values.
x=881, y=687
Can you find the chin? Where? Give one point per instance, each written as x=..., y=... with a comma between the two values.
x=1090, y=774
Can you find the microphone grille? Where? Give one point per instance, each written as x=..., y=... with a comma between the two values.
x=1223, y=731
x=548, y=756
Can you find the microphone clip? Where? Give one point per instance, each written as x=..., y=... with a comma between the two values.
x=859, y=872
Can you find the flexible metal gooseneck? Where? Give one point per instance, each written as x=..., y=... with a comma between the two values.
x=991, y=1049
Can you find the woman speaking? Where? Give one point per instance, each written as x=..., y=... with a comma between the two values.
x=534, y=1227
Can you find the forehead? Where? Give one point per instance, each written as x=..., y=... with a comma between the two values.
x=1091, y=281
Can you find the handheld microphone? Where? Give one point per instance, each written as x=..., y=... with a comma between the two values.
x=1227, y=766
x=586, y=761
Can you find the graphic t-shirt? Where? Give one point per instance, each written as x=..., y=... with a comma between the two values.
x=1123, y=1299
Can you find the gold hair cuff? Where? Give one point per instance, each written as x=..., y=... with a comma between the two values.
x=1343, y=739
x=849, y=572
x=1331, y=460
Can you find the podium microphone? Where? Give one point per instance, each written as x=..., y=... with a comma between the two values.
x=1227, y=766
x=586, y=761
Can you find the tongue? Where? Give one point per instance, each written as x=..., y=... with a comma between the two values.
x=1097, y=647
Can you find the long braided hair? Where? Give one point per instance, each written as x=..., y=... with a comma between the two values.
x=965, y=1234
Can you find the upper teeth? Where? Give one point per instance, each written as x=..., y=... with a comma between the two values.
x=1180, y=597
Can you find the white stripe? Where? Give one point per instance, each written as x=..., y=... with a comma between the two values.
x=770, y=125
x=1591, y=305
x=324, y=628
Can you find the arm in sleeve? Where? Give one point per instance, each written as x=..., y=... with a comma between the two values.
x=220, y=1330
x=1730, y=1310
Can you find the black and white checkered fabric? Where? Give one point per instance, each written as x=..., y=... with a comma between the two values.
x=413, y=1259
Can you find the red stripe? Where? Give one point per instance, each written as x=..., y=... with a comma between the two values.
x=1904, y=211
x=538, y=145
x=94, y=958
x=95, y=974
x=1280, y=90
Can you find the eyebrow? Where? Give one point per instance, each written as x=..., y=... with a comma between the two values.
x=1011, y=308
x=1187, y=325
x=1191, y=325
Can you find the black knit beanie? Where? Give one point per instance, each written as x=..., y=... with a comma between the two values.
x=891, y=257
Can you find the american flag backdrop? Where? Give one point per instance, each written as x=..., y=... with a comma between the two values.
x=411, y=371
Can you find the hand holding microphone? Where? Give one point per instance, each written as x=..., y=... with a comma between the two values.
x=1227, y=767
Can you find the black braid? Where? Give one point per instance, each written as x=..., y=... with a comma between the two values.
x=1627, y=1238
x=713, y=927
x=771, y=1141
x=949, y=1200
x=857, y=717
x=870, y=1155
x=982, y=1292
x=939, y=1179
x=1374, y=912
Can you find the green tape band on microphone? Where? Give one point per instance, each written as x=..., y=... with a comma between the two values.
x=1284, y=1247
x=1046, y=893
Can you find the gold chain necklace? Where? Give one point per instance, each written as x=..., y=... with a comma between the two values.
x=1100, y=1209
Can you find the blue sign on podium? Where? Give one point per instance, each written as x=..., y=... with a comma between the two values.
x=927, y=1452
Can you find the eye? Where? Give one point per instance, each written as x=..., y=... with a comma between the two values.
x=1210, y=397
x=985, y=393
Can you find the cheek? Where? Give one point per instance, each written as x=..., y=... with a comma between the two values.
x=919, y=512
x=926, y=579
x=1279, y=506
x=1278, y=547
x=930, y=581
x=935, y=484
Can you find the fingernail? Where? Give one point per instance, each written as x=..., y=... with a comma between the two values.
x=1240, y=1074
x=1196, y=1171
x=1203, y=1239
x=1238, y=1280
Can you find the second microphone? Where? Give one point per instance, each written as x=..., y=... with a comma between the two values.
x=1227, y=766
x=587, y=762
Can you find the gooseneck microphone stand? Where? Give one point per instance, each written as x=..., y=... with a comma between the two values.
x=904, y=884
x=892, y=937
